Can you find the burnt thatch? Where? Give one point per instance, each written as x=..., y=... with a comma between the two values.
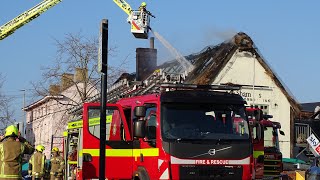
x=210, y=62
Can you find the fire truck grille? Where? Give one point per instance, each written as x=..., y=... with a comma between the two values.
x=210, y=172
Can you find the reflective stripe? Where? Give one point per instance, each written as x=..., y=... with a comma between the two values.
x=256, y=154
x=92, y=122
x=149, y=152
x=72, y=162
x=9, y=176
x=2, y=159
x=80, y=153
x=42, y=163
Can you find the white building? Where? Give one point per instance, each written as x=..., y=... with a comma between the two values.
x=47, y=117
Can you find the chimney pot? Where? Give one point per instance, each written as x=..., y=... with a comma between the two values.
x=152, y=42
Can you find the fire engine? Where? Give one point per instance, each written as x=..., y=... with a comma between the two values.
x=160, y=130
x=267, y=154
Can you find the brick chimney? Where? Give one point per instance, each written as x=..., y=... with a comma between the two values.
x=66, y=81
x=81, y=74
x=146, y=61
x=54, y=89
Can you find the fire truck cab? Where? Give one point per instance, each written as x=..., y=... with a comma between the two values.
x=266, y=151
x=183, y=132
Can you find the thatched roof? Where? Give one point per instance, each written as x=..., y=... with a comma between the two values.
x=209, y=62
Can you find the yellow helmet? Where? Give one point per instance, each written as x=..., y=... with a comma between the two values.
x=55, y=149
x=40, y=148
x=11, y=130
x=143, y=4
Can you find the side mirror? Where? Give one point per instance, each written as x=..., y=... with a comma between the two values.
x=282, y=133
x=139, y=129
x=140, y=111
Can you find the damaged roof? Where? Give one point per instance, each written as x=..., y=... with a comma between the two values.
x=209, y=62
x=309, y=107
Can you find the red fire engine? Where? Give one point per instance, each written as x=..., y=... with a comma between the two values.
x=182, y=132
x=266, y=153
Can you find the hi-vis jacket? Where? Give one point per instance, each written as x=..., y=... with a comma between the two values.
x=37, y=164
x=11, y=152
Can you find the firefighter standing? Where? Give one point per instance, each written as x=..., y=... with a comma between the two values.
x=143, y=8
x=12, y=148
x=57, y=165
x=37, y=163
x=73, y=157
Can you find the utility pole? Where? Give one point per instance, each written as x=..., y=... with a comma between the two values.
x=102, y=67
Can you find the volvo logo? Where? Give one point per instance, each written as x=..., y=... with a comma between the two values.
x=212, y=152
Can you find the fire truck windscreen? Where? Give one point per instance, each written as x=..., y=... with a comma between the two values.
x=271, y=137
x=201, y=121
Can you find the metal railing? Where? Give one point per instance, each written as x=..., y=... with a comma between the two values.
x=302, y=132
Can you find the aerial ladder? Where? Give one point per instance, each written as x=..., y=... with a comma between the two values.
x=139, y=20
x=11, y=26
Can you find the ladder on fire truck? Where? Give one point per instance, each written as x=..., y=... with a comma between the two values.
x=27, y=16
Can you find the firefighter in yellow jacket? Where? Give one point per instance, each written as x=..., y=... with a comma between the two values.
x=57, y=165
x=12, y=148
x=37, y=163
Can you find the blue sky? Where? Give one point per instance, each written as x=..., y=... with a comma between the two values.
x=285, y=32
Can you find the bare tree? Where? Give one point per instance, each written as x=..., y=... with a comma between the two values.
x=6, y=113
x=75, y=54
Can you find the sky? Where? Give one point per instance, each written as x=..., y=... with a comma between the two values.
x=286, y=33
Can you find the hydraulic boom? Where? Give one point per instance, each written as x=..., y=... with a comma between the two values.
x=11, y=26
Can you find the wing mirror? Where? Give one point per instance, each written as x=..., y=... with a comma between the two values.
x=139, y=129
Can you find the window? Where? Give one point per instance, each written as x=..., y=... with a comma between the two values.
x=151, y=124
x=114, y=124
x=31, y=116
x=151, y=127
x=203, y=121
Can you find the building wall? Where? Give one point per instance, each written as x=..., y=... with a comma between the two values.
x=50, y=118
x=240, y=70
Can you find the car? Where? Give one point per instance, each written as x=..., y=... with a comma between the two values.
x=313, y=173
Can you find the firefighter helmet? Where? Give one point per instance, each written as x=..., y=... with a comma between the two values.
x=11, y=130
x=55, y=149
x=143, y=4
x=40, y=148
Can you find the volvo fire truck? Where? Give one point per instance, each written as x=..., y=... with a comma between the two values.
x=267, y=154
x=161, y=130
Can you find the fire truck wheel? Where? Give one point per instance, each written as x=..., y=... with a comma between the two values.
x=140, y=174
